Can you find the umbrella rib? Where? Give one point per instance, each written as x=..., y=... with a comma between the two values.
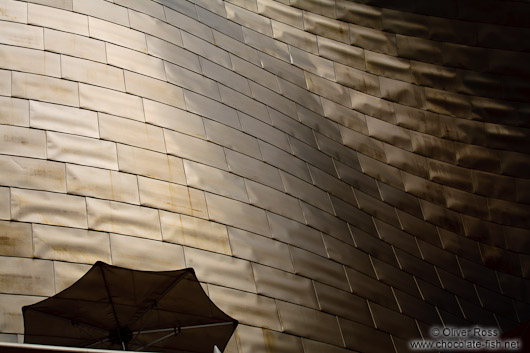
x=158, y=340
x=76, y=322
x=118, y=328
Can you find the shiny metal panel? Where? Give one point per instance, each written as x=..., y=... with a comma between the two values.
x=14, y=111
x=327, y=27
x=84, y=150
x=62, y=20
x=14, y=11
x=6, y=83
x=192, y=81
x=292, y=127
x=214, y=180
x=328, y=89
x=296, y=37
x=173, y=118
x=205, y=49
x=5, y=203
x=103, y=9
x=152, y=9
x=282, y=69
x=188, y=24
x=344, y=116
x=22, y=141
x=220, y=269
x=172, y=197
x=131, y=132
x=283, y=285
x=348, y=255
x=264, y=132
x=249, y=308
x=72, y=245
x=306, y=192
x=195, y=149
x=281, y=12
x=310, y=323
x=254, y=73
x=225, y=76
x=311, y=346
x=332, y=185
x=244, y=103
x=104, y=184
x=237, y=214
x=338, y=151
x=327, y=223
x=20, y=172
x=211, y=109
x=154, y=89
x=45, y=88
x=116, y=34
x=271, y=98
x=135, y=61
x=266, y=44
x=30, y=60
x=369, y=287
x=48, y=208
x=21, y=35
x=110, y=101
x=284, y=160
x=356, y=336
x=238, y=48
x=233, y=139
x=253, y=169
x=67, y=273
x=131, y=252
x=260, y=249
x=341, y=53
x=283, y=343
x=172, y=53
x=11, y=306
x=117, y=217
x=74, y=45
x=15, y=237
x=194, y=232
x=248, y=19
x=312, y=156
x=250, y=339
x=221, y=24
x=93, y=73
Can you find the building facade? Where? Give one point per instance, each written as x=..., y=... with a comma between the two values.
x=342, y=175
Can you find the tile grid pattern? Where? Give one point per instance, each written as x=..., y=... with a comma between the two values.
x=335, y=172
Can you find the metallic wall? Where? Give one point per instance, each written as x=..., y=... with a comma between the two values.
x=341, y=175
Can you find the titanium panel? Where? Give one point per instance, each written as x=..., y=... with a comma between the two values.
x=16, y=238
x=14, y=111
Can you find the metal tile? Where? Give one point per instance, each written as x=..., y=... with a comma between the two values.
x=205, y=49
x=319, y=268
x=312, y=156
x=20, y=172
x=5, y=83
x=448, y=103
x=402, y=92
x=357, y=180
x=15, y=237
x=15, y=11
x=61, y=118
x=135, y=61
x=388, y=66
x=327, y=223
x=281, y=12
x=476, y=313
x=450, y=175
x=194, y=232
x=363, y=144
x=154, y=89
x=237, y=214
x=460, y=245
x=341, y=53
x=297, y=234
x=254, y=73
x=285, y=286
x=328, y=89
x=417, y=308
x=423, y=189
x=248, y=19
x=395, y=277
x=345, y=116
x=400, y=200
x=189, y=8
x=282, y=69
x=435, y=76
x=172, y=53
x=373, y=106
x=67, y=273
x=250, y=339
x=362, y=218
x=172, y=197
x=62, y=4
x=45, y=88
x=253, y=169
x=381, y=171
x=321, y=7
x=326, y=27
x=82, y=150
x=458, y=285
x=284, y=161
x=266, y=44
x=11, y=306
x=225, y=76
x=110, y=32
x=292, y=127
x=192, y=81
x=195, y=149
x=407, y=161
x=343, y=304
x=392, y=321
x=375, y=40
x=368, y=287
x=214, y=180
x=5, y=204
x=302, y=321
x=247, y=308
x=103, y=9
x=48, y=208
x=260, y=249
x=275, y=201
x=188, y=24
x=236, y=47
x=30, y=60
x=14, y=111
x=71, y=245
x=131, y=132
x=307, y=192
x=244, y=103
x=312, y=63
x=22, y=141
x=233, y=139
x=152, y=9
x=264, y=132
x=220, y=269
x=249, y=5
x=173, y=118
x=22, y=35
x=332, y=185
x=417, y=267
x=465, y=202
x=282, y=343
x=117, y=217
x=211, y=109
x=104, y=184
x=396, y=237
x=93, y=73
x=273, y=99
x=62, y=20
x=294, y=36
x=74, y=45
x=151, y=164
x=442, y=217
x=110, y=101
x=221, y=24
x=311, y=346
x=130, y=252
x=372, y=245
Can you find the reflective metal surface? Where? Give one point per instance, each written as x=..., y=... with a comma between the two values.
x=342, y=174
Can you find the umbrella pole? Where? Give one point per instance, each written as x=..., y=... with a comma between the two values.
x=118, y=328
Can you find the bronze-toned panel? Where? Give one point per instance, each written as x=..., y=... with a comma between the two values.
x=205, y=49
x=194, y=232
x=225, y=76
x=16, y=238
x=457, y=285
x=248, y=19
x=254, y=73
x=189, y=25
x=341, y=53
x=192, y=80
x=103, y=9
x=282, y=69
x=388, y=66
x=149, y=25
x=72, y=245
x=417, y=308
x=417, y=267
x=135, y=61
x=281, y=12
x=62, y=20
x=348, y=255
x=344, y=116
x=236, y=47
x=361, y=14
x=260, y=249
x=173, y=118
x=283, y=285
x=110, y=101
x=11, y=306
x=357, y=79
x=152, y=9
x=30, y=60
x=264, y=132
x=266, y=44
x=309, y=323
x=22, y=35
x=368, y=287
x=5, y=203
x=392, y=321
x=439, y=257
x=75, y=45
x=311, y=346
x=357, y=180
x=211, y=109
x=332, y=185
x=221, y=24
x=292, y=127
x=250, y=339
x=284, y=161
x=363, y=144
x=326, y=27
x=359, y=217
x=375, y=40
x=395, y=277
x=282, y=343
x=21, y=141
x=253, y=169
x=338, y=151
x=67, y=273
x=45, y=88
x=328, y=89
x=294, y=36
x=400, y=200
x=373, y=106
x=396, y=237
x=318, y=123
x=273, y=99
x=307, y=192
x=154, y=89
x=356, y=335
x=113, y=33
x=248, y=308
x=244, y=103
x=170, y=52
x=48, y=208
x=327, y=223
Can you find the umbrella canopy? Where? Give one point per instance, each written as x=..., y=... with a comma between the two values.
x=112, y=307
